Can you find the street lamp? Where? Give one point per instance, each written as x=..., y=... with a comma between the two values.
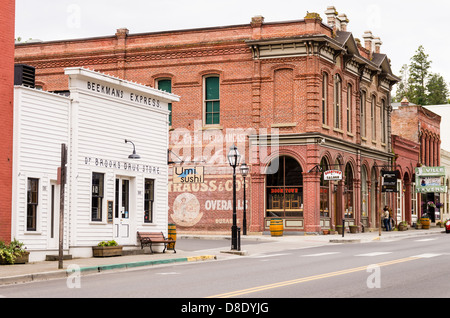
x=244, y=171
x=233, y=159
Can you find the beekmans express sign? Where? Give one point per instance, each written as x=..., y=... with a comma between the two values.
x=430, y=179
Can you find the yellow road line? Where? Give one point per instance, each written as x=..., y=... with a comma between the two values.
x=307, y=279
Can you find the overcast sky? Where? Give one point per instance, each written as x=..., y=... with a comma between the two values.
x=402, y=25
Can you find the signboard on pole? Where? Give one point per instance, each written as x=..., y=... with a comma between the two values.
x=430, y=179
x=389, y=181
x=332, y=175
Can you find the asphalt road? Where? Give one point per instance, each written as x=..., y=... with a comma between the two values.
x=408, y=268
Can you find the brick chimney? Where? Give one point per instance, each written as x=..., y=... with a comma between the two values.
x=256, y=24
x=343, y=21
x=404, y=102
x=332, y=19
x=368, y=40
x=377, y=42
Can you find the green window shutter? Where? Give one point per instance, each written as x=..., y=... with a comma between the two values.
x=212, y=99
x=166, y=85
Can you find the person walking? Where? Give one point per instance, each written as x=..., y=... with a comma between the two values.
x=387, y=218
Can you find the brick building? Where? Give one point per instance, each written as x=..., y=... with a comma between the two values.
x=298, y=98
x=419, y=129
x=6, y=115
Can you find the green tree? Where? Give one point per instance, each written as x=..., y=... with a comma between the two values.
x=419, y=71
x=437, y=90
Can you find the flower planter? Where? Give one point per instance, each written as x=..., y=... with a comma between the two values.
x=22, y=259
x=106, y=251
x=353, y=228
x=402, y=227
x=326, y=232
x=339, y=229
x=425, y=223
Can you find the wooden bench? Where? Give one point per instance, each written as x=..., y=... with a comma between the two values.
x=148, y=238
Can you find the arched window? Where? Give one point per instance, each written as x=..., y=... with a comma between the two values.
x=373, y=114
x=348, y=192
x=325, y=98
x=363, y=114
x=212, y=100
x=166, y=85
x=383, y=121
x=284, y=188
x=349, y=107
x=337, y=102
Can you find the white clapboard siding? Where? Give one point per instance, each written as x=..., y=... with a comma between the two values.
x=100, y=124
x=40, y=127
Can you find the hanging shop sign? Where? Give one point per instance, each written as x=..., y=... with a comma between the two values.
x=188, y=175
x=332, y=175
x=430, y=179
x=389, y=181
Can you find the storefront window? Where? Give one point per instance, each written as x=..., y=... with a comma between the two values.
x=364, y=192
x=97, y=196
x=348, y=192
x=324, y=191
x=284, y=188
x=148, y=200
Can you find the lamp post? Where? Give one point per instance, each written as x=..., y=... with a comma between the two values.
x=244, y=171
x=233, y=159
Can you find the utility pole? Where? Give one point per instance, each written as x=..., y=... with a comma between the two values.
x=61, y=204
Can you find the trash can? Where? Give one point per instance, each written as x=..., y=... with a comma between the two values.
x=172, y=235
x=276, y=227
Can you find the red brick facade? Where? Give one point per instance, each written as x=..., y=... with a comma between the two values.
x=417, y=142
x=6, y=115
x=291, y=89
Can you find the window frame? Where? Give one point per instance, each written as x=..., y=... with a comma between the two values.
x=325, y=98
x=373, y=116
x=349, y=107
x=362, y=114
x=215, y=101
x=97, y=197
x=164, y=79
x=32, y=204
x=148, y=211
x=337, y=102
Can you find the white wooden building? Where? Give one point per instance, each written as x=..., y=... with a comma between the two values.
x=109, y=196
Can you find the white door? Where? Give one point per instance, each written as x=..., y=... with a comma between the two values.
x=53, y=216
x=122, y=213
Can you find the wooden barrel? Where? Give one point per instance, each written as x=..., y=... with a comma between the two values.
x=425, y=223
x=172, y=235
x=276, y=227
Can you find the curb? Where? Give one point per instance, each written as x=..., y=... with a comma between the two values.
x=26, y=278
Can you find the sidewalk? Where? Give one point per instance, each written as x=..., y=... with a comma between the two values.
x=10, y=274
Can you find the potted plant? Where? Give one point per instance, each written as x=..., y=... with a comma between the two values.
x=107, y=248
x=332, y=231
x=339, y=229
x=425, y=221
x=326, y=231
x=418, y=225
x=403, y=226
x=13, y=253
x=353, y=228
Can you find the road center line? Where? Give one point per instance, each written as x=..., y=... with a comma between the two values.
x=307, y=279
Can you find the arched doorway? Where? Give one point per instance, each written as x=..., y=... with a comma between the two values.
x=284, y=191
x=325, y=215
x=364, y=198
x=349, y=202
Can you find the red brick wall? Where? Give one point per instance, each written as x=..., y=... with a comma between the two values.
x=6, y=115
x=283, y=91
